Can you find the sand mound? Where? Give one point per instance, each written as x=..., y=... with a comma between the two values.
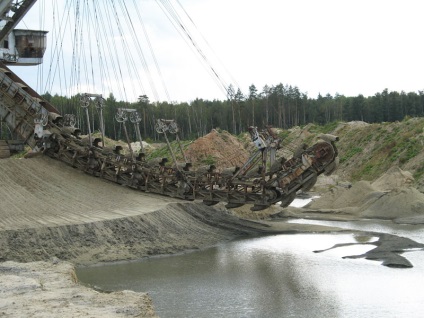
x=360, y=193
x=405, y=202
x=394, y=178
x=219, y=148
x=389, y=197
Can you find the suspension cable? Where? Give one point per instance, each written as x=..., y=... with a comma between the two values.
x=184, y=32
x=106, y=47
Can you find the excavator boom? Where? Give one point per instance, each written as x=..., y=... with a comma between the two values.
x=19, y=12
x=263, y=181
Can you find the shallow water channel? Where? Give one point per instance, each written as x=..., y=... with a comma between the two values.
x=276, y=276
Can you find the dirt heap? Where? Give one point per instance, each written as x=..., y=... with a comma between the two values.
x=219, y=148
x=340, y=197
x=389, y=197
x=394, y=178
x=397, y=204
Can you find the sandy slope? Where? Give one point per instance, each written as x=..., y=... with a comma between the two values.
x=42, y=192
x=49, y=209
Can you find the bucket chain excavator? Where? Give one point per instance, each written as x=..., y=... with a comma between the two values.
x=262, y=181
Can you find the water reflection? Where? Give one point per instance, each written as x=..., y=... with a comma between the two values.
x=300, y=202
x=240, y=279
x=414, y=232
x=271, y=283
x=275, y=276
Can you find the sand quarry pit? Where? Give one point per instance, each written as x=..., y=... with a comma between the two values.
x=53, y=216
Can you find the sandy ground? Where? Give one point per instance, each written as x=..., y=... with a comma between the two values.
x=49, y=289
x=51, y=213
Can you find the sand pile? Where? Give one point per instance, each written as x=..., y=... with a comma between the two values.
x=394, y=178
x=400, y=203
x=219, y=148
x=339, y=198
x=389, y=197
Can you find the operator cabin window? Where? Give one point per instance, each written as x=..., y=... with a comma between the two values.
x=30, y=43
x=6, y=44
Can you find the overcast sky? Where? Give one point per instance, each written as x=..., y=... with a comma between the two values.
x=326, y=46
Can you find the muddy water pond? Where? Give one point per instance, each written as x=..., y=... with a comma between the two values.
x=274, y=276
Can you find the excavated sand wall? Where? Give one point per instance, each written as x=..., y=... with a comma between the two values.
x=177, y=227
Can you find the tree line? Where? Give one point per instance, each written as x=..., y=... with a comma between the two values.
x=282, y=106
